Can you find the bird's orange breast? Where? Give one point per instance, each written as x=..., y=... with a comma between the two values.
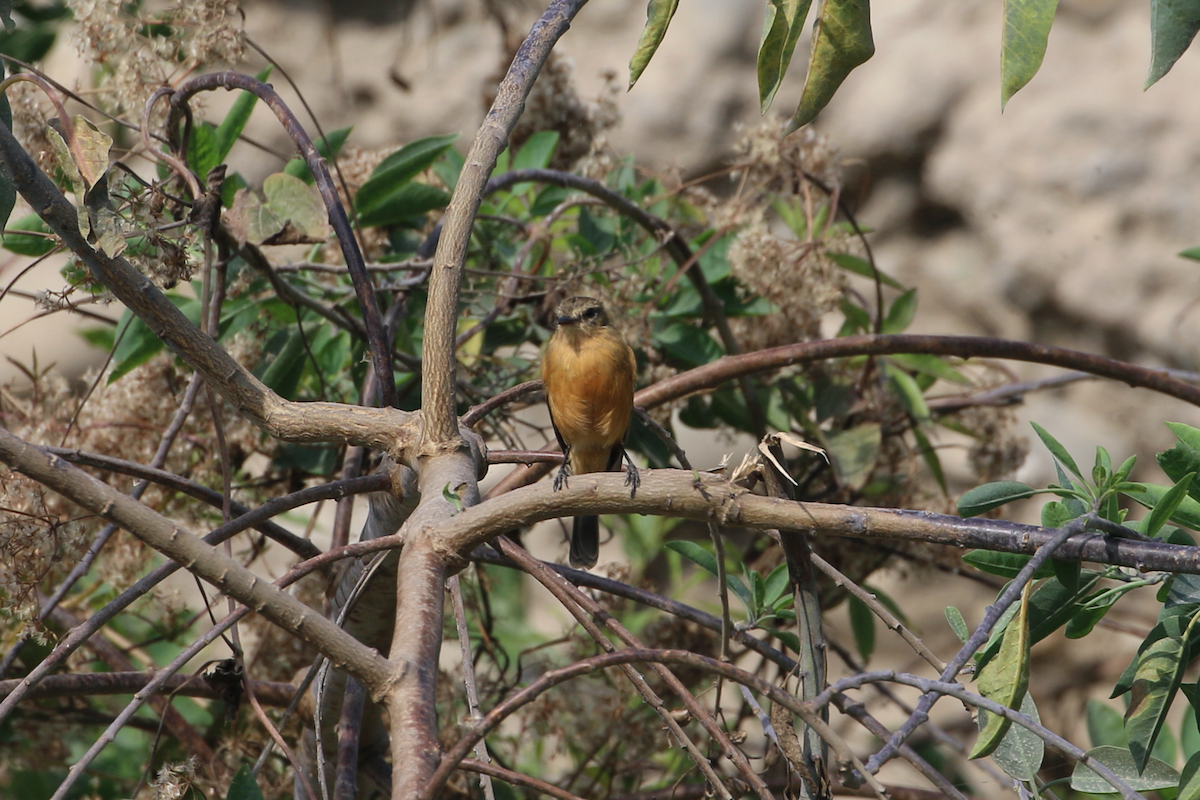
x=589, y=377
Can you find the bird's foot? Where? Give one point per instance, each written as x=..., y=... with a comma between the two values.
x=560, y=479
x=633, y=479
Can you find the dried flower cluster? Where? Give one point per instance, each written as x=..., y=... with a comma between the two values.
x=554, y=104
x=141, y=48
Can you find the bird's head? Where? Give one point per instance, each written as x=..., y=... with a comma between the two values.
x=585, y=312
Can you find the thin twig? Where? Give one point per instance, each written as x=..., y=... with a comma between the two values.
x=976, y=640
x=468, y=662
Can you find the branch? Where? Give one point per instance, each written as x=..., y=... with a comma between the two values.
x=723, y=369
x=108, y=683
x=728, y=368
x=304, y=548
x=381, y=429
x=978, y=638
x=677, y=493
x=225, y=573
x=439, y=360
x=380, y=351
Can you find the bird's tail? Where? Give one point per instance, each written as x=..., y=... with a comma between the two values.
x=585, y=542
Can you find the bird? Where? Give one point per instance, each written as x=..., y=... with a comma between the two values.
x=589, y=372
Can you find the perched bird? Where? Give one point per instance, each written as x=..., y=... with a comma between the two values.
x=589, y=372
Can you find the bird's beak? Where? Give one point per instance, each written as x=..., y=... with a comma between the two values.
x=567, y=320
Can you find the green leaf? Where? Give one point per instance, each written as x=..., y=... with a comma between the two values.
x=658, y=17
x=30, y=244
x=284, y=372
x=328, y=146
x=957, y=624
x=1092, y=610
x=862, y=624
x=1166, y=507
x=1187, y=435
x=1189, y=728
x=695, y=553
x=1021, y=751
x=6, y=7
x=1187, y=513
x=841, y=42
x=984, y=498
x=860, y=266
x=934, y=366
x=597, y=232
x=700, y=556
x=1006, y=565
x=777, y=584
x=1173, y=26
x=853, y=453
x=688, y=344
x=1159, y=631
x=536, y=152
x=388, y=196
x=203, y=153
x=1067, y=572
x=1057, y=450
x=1189, y=781
x=243, y=786
x=1156, y=775
x=452, y=498
x=1050, y=607
x=408, y=201
x=1105, y=726
x=235, y=121
x=901, y=313
x=782, y=25
x=909, y=392
x=930, y=455
x=140, y=343
x=1026, y=29
x=290, y=198
x=1155, y=682
x=1192, y=253
x=1005, y=678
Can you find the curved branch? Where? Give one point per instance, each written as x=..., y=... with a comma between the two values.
x=723, y=369
x=380, y=351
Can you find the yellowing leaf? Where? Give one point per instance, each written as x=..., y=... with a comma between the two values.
x=1026, y=30
x=468, y=352
x=781, y=28
x=658, y=17
x=1005, y=678
x=290, y=198
x=841, y=41
x=91, y=150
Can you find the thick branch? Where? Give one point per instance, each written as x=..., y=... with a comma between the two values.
x=440, y=362
x=711, y=498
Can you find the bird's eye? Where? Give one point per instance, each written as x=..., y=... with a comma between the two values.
x=591, y=313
